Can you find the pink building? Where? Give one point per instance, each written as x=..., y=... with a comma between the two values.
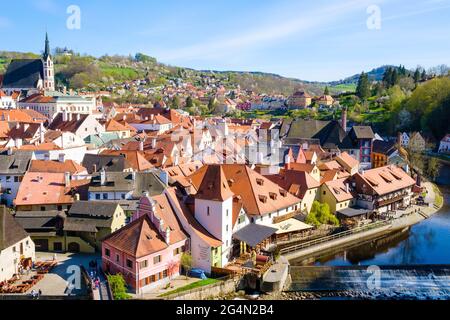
x=147, y=251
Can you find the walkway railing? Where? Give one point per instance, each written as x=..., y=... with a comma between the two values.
x=343, y=234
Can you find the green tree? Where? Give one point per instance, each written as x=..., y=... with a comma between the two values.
x=189, y=103
x=118, y=287
x=320, y=214
x=433, y=168
x=363, y=87
x=417, y=76
x=186, y=262
x=175, y=102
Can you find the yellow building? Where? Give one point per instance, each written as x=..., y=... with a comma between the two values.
x=336, y=194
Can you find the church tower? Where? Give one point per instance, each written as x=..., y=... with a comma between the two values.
x=49, y=74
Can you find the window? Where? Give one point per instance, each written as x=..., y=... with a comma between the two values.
x=57, y=246
x=42, y=208
x=143, y=264
x=117, y=258
x=241, y=219
x=177, y=251
x=122, y=196
x=226, y=228
x=107, y=252
x=129, y=263
x=227, y=213
x=165, y=273
x=97, y=196
x=16, y=179
x=157, y=259
x=8, y=178
x=208, y=211
x=324, y=193
x=105, y=196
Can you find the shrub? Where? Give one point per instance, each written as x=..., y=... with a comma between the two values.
x=320, y=214
x=118, y=287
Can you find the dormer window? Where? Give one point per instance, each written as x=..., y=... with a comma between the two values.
x=260, y=182
x=262, y=198
x=273, y=195
x=283, y=192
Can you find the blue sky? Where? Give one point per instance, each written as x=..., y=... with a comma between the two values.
x=311, y=40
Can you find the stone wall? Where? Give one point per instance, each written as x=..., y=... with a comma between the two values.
x=207, y=292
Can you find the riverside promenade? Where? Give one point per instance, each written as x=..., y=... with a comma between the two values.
x=409, y=217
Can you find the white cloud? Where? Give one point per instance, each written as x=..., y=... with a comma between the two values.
x=48, y=6
x=267, y=33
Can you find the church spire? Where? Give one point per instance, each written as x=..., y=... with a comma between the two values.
x=47, y=47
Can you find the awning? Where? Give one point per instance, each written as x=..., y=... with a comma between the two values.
x=254, y=234
x=291, y=225
x=353, y=212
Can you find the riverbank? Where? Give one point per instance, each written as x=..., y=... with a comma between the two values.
x=412, y=216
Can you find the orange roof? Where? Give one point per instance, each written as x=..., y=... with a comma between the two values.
x=296, y=182
x=347, y=160
x=41, y=188
x=41, y=147
x=113, y=125
x=385, y=180
x=338, y=189
x=189, y=219
x=259, y=194
x=56, y=166
x=16, y=115
x=141, y=237
x=135, y=158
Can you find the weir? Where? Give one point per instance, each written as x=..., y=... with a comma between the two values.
x=409, y=279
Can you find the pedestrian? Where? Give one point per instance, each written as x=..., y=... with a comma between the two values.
x=40, y=293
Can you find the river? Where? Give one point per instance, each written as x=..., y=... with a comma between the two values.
x=425, y=243
x=400, y=255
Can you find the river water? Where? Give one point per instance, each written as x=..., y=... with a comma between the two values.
x=425, y=243
x=418, y=250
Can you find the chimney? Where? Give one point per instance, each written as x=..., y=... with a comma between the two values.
x=62, y=157
x=26, y=126
x=78, y=117
x=133, y=175
x=71, y=92
x=41, y=133
x=287, y=162
x=152, y=117
x=153, y=143
x=77, y=197
x=67, y=179
x=65, y=90
x=399, y=140
x=141, y=145
x=347, y=187
x=69, y=116
x=102, y=177
x=176, y=160
x=18, y=125
x=344, y=119
x=167, y=235
x=94, y=168
x=18, y=143
x=64, y=116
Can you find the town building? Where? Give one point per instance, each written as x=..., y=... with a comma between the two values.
x=444, y=145
x=148, y=250
x=16, y=246
x=13, y=167
x=384, y=189
x=30, y=75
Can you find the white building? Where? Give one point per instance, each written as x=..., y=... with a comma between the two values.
x=444, y=146
x=15, y=246
x=52, y=104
